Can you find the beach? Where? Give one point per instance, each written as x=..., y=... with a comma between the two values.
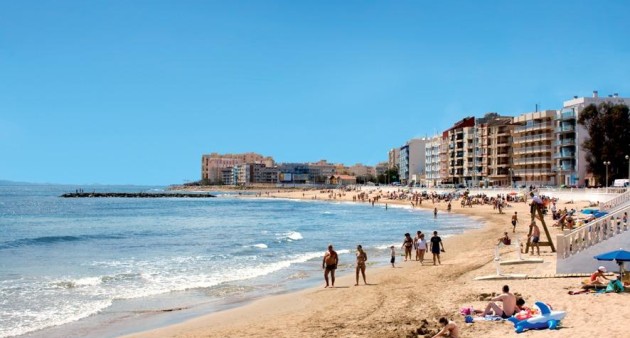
x=409, y=299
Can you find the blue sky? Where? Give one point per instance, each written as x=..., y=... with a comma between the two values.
x=119, y=92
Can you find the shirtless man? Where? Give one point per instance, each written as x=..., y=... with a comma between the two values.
x=329, y=264
x=535, y=238
x=508, y=301
x=450, y=329
x=514, y=221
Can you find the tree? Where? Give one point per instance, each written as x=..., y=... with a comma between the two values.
x=390, y=175
x=608, y=127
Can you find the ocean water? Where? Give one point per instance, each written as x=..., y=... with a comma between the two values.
x=85, y=267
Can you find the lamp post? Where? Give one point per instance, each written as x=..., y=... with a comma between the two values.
x=628, y=158
x=606, y=163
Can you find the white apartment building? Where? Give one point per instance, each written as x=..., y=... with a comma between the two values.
x=411, y=164
x=432, y=159
x=570, y=157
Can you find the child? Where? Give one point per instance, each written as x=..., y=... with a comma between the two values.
x=393, y=256
x=450, y=329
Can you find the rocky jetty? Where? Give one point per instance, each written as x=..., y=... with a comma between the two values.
x=135, y=195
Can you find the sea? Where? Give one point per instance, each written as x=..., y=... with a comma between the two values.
x=105, y=267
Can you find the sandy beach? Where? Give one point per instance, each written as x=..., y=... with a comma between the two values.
x=408, y=300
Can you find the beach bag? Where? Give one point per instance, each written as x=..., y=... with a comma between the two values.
x=614, y=286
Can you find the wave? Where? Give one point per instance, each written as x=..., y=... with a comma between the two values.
x=289, y=236
x=45, y=240
x=259, y=246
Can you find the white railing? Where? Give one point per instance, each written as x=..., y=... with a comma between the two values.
x=592, y=233
x=619, y=200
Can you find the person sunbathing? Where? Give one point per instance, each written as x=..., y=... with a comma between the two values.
x=508, y=301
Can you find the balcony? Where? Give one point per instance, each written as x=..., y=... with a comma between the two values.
x=532, y=160
x=537, y=149
x=533, y=138
x=533, y=172
x=565, y=129
x=565, y=142
x=564, y=155
x=563, y=168
x=533, y=126
x=567, y=115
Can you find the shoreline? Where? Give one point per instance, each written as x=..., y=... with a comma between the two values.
x=401, y=298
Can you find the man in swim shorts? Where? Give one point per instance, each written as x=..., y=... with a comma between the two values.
x=535, y=238
x=329, y=264
x=514, y=221
x=508, y=307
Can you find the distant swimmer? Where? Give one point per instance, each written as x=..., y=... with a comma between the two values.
x=329, y=264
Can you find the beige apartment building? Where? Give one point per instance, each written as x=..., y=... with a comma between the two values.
x=393, y=157
x=213, y=164
x=533, y=148
x=494, y=134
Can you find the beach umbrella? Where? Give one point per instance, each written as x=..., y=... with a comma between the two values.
x=619, y=256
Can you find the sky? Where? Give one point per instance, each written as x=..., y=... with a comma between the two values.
x=134, y=92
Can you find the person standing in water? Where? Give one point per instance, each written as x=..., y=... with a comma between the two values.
x=329, y=264
x=361, y=259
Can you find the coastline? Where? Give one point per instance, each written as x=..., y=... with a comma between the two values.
x=398, y=300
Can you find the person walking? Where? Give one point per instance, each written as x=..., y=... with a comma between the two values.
x=422, y=248
x=514, y=221
x=329, y=264
x=436, y=242
x=361, y=259
x=407, y=245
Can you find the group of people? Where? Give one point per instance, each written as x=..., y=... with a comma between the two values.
x=417, y=244
x=420, y=246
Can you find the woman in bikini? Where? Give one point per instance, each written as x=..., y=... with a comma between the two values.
x=408, y=246
x=361, y=258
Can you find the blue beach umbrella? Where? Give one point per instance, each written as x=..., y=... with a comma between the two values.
x=618, y=256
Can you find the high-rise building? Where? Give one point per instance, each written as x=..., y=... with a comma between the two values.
x=570, y=157
x=493, y=150
x=532, y=148
x=432, y=158
x=460, y=157
x=411, y=162
x=393, y=157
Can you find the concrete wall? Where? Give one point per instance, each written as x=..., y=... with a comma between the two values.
x=584, y=261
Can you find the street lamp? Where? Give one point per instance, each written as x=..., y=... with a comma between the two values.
x=628, y=158
x=606, y=163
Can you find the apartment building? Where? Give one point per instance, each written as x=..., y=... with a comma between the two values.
x=360, y=170
x=533, y=148
x=432, y=159
x=212, y=164
x=393, y=157
x=462, y=164
x=570, y=159
x=411, y=163
x=493, y=150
